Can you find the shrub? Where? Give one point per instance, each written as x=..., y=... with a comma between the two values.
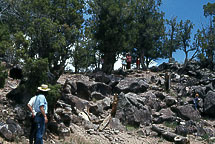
x=52, y=96
x=3, y=76
x=35, y=72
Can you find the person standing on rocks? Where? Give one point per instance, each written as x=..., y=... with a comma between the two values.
x=138, y=63
x=123, y=63
x=41, y=108
x=32, y=136
x=196, y=101
x=128, y=60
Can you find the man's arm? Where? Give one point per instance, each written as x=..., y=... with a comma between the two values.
x=43, y=113
x=31, y=109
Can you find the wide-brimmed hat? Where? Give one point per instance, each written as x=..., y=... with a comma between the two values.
x=44, y=87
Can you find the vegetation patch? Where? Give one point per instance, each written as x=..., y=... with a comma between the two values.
x=172, y=125
x=131, y=127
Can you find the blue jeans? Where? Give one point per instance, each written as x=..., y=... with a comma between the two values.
x=40, y=126
x=32, y=136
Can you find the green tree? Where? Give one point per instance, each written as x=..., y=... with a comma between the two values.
x=149, y=24
x=111, y=28
x=208, y=34
x=209, y=9
x=205, y=38
x=5, y=42
x=172, y=37
x=51, y=26
x=205, y=41
x=185, y=38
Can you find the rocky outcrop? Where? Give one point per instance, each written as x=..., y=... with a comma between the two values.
x=142, y=103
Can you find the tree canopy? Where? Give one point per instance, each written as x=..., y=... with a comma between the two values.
x=92, y=32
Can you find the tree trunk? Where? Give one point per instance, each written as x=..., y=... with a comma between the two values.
x=171, y=46
x=142, y=60
x=186, y=58
x=170, y=55
x=109, y=60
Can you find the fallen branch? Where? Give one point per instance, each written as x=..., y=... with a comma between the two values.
x=170, y=136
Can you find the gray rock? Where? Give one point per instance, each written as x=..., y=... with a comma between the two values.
x=132, y=85
x=209, y=104
x=11, y=130
x=97, y=96
x=160, y=95
x=63, y=131
x=116, y=124
x=131, y=110
x=101, y=88
x=165, y=115
x=186, y=112
x=83, y=89
x=20, y=113
x=7, y=134
x=90, y=126
x=75, y=101
x=102, y=77
x=181, y=130
x=170, y=101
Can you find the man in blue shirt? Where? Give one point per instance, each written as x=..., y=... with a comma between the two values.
x=41, y=109
x=196, y=101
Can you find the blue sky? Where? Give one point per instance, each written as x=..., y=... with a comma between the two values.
x=185, y=9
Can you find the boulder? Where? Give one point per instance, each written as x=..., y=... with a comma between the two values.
x=132, y=111
x=186, y=112
x=151, y=100
x=97, y=96
x=160, y=95
x=53, y=127
x=11, y=130
x=116, y=124
x=170, y=101
x=89, y=125
x=132, y=85
x=20, y=95
x=101, y=88
x=98, y=107
x=165, y=115
x=70, y=86
x=209, y=104
x=181, y=130
x=63, y=131
x=102, y=77
x=20, y=113
x=7, y=134
x=75, y=101
x=83, y=89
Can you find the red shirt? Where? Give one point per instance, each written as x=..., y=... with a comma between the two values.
x=128, y=58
